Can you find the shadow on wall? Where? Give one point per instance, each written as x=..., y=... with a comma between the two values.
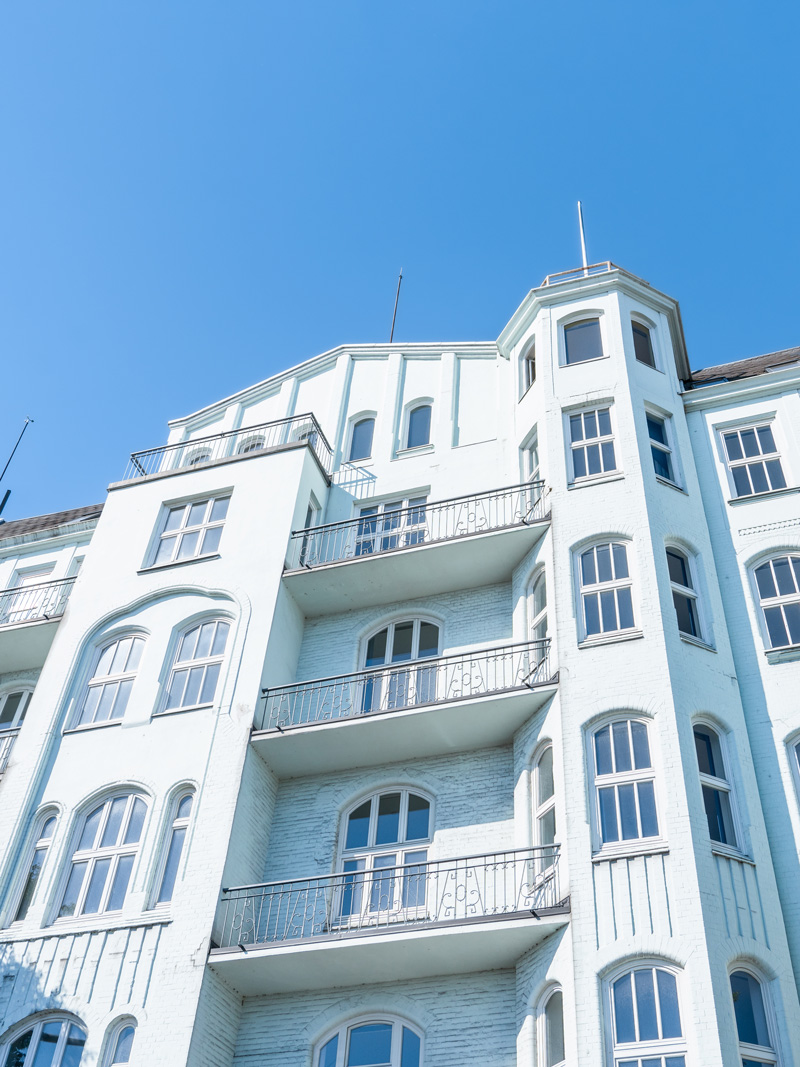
x=35, y=1011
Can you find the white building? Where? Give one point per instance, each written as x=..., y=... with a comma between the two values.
x=425, y=704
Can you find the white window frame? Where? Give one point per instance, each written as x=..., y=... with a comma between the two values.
x=754, y=424
x=724, y=784
x=779, y=601
x=537, y=619
x=412, y=405
x=36, y=1026
x=598, y=588
x=377, y=527
x=644, y=324
x=37, y=843
x=203, y=662
x=688, y=592
x=421, y=679
x=615, y=779
x=343, y=1031
x=94, y=681
x=585, y=443
x=15, y=725
x=256, y=442
x=585, y=315
x=530, y=459
x=354, y=421
x=113, y=1039
x=184, y=530
x=667, y=449
x=769, y=1057
x=543, y=1058
x=527, y=361
x=648, y=1049
x=173, y=822
x=793, y=747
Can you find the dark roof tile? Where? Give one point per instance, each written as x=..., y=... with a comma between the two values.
x=19, y=527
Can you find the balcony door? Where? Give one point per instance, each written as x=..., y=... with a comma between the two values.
x=400, y=686
x=23, y=603
x=393, y=524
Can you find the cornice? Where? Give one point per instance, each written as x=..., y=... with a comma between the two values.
x=726, y=393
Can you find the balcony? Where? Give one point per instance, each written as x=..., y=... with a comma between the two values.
x=427, y=548
x=29, y=615
x=249, y=440
x=7, y=739
x=359, y=927
x=428, y=707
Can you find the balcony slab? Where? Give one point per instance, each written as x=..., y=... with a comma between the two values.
x=445, y=566
x=326, y=963
x=24, y=645
x=381, y=737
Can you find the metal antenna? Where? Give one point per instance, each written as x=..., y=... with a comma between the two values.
x=16, y=446
x=396, y=298
x=583, y=238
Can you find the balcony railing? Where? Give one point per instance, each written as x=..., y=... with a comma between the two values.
x=7, y=739
x=420, y=524
x=30, y=603
x=202, y=450
x=580, y=272
x=518, y=883
x=425, y=681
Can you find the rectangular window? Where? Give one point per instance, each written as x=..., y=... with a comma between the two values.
x=191, y=530
x=753, y=460
x=660, y=448
x=393, y=524
x=643, y=345
x=583, y=341
x=606, y=590
x=624, y=782
x=592, y=443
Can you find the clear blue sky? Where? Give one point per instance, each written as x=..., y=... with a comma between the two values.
x=194, y=195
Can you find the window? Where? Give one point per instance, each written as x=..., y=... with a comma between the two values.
x=529, y=367
x=778, y=582
x=192, y=530
x=531, y=460
x=553, y=1030
x=373, y=1043
x=660, y=448
x=121, y=1044
x=109, y=688
x=752, y=1025
x=44, y=837
x=193, y=680
x=592, y=443
x=537, y=607
x=647, y=1019
x=582, y=341
x=13, y=706
x=684, y=596
x=50, y=1042
x=419, y=426
x=606, y=589
x=544, y=811
x=387, y=831
x=103, y=858
x=715, y=786
x=32, y=597
x=361, y=440
x=753, y=460
x=202, y=455
x=624, y=782
x=643, y=344
x=393, y=524
x=400, y=687
x=250, y=444
x=180, y=823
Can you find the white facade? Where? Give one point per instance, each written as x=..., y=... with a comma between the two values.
x=285, y=778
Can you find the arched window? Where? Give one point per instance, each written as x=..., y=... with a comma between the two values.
x=552, y=1030
x=544, y=809
x=529, y=367
x=50, y=1042
x=372, y=1043
x=624, y=782
x=41, y=845
x=605, y=585
x=109, y=688
x=120, y=1044
x=400, y=687
x=537, y=607
x=182, y=811
x=13, y=706
x=202, y=455
x=193, y=680
x=647, y=1019
x=756, y=1044
x=583, y=341
x=715, y=785
x=778, y=582
x=386, y=831
x=361, y=439
x=643, y=344
x=104, y=855
x=684, y=595
x=251, y=444
x=419, y=426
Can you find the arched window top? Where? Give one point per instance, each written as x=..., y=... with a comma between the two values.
x=553, y=1028
x=361, y=438
x=715, y=785
x=418, y=432
x=752, y=1020
x=583, y=340
x=44, y=829
x=605, y=582
x=54, y=1041
x=254, y=443
x=401, y=641
x=181, y=812
x=109, y=687
x=371, y=1042
x=778, y=584
x=198, y=661
x=537, y=606
x=684, y=592
x=13, y=705
x=387, y=818
x=624, y=781
x=646, y=1016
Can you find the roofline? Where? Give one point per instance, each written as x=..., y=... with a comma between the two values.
x=720, y=393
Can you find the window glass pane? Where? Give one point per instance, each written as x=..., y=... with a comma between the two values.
x=765, y=581
x=620, y=561
x=119, y=886
x=647, y=809
x=641, y=746
x=714, y=815
x=705, y=752
x=220, y=639
x=591, y=604
x=401, y=645
x=191, y=695
x=642, y=346
x=758, y=477
x=545, y=776
x=30, y=883
x=174, y=518
x=733, y=447
x=582, y=341
x=547, y=828
x=656, y=429
x=419, y=427
x=783, y=576
x=73, y=889
x=428, y=640
x=623, y=1010
x=748, y=1006
x=627, y=812
x=122, y=1053
x=97, y=884
x=46, y=1048
x=419, y=811
x=608, y=815
x=749, y=442
x=171, y=867
x=376, y=649
x=778, y=635
x=370, y=1045
x=203, y=647
x=593, y=459
x=609, y=459
x=766, y=440
x=188, y=546
x=602, y=750
x=114, y=822
x=590, y=423
x=358, y=827
x=16, y=1054
x=209, y=683
x=176, y=687
x=625, y=605
x=211, y=539
x=136, y=821
x=579, y=463
x=361, y=444
x=120, y=657
x=604, y=421
x=588, y=574
x=165, y=550
x=678, y=571
x=90, y=828
x=388, y=819
x=622, y=748
x=646, y=1005
x=608, y=608
x=185, y=808
x=554, y=1027
x=409, y=1056
x=327, y=1056
x=576, y=427
x=792, y=613
x=106, y=702
x=741, y=481
x=10, y=708
x=686, y=614
x=197, y=512
x=539, y=595
x=188, y=643
x=775, y=472
x=219, y=509
x=662, y=463
x=604, y=563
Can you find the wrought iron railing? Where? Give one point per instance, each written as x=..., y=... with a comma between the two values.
x=421, y=523
x=424, y=681
x=201, y=450
x=30, y=603
x=580, y=272
x=517, y=883
x=7, y=739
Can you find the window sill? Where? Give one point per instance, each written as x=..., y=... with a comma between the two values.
x=582, y=362
x=405, y=453
x=628, y=849
x=178, y=563
x=82, y=728
x=729, y=853
x=179, y=711
x=782, y=655
x=607, y=639
x=671, y=485
x=596, y=479
x=526, y=391
x=697, y=642
x=762, y=496
x=650, y=366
